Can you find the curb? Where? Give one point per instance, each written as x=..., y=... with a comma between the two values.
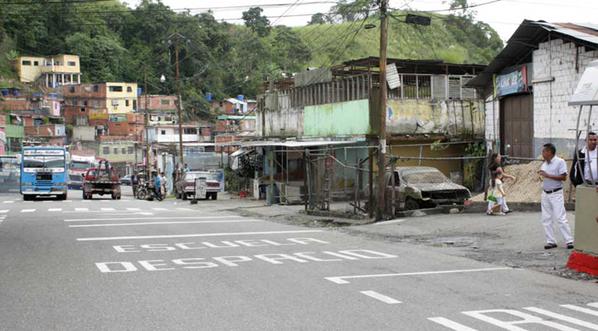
x=583, y=262
x=480, y=207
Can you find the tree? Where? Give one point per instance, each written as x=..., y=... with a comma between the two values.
x=317, y=18
x=102, y=57
x=462, y=8
x=290, y=52
x=354, y=10
x=256, y=22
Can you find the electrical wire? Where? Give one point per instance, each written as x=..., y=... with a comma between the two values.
x=286, y=11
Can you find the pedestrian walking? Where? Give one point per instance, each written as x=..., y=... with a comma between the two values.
x=134, y=183
x=164, y=183
x=495, y=166
x=158, y=187
x=497, y=201
x=553, y=173
x=585, y=168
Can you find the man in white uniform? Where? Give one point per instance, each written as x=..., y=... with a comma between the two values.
x=585, y=169
x=553, y=173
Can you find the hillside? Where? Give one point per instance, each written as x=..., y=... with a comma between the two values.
x=118, y=43
x=448, y=38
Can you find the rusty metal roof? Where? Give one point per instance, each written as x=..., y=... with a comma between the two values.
x=526, y=39
x=410, y=66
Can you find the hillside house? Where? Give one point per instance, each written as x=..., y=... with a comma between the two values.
x=53, y=71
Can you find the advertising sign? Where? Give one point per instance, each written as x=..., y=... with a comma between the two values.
x=512, y=82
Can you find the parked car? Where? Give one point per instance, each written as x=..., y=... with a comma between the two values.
x=125, y=180
x=185, y=187
x=425, y=187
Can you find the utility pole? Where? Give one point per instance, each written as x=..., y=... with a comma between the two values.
x=176, y=38
x=145, y=125
x=381, y=202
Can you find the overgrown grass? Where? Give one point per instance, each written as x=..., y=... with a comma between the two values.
x=334, y=43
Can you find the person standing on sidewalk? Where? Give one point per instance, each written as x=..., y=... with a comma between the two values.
x=587, y=163
x=495, y=167
x=553, y=173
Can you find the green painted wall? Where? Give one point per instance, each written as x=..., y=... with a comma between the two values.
x=14, y=131
x=337, y=119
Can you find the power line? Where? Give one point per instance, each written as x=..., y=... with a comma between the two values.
x=458, y=8
x=286, y=11
x=51, y=2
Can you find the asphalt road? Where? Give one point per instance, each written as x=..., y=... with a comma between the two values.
x=139, y=265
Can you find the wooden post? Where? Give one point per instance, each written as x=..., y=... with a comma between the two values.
x=381, y=201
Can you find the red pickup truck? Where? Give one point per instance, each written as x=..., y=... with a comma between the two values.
x=101, y=180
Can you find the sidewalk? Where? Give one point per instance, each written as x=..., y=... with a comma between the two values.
x=516, y=240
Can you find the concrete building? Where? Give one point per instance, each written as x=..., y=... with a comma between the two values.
x=53, y=71
x=161, y=109
x=169, y=134
x=87, y=102
x=333, y=111
x=121, y=98
x=529, y=83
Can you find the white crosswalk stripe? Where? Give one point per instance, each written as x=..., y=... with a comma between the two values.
x=108, y=209
x=27, y=210
x=134, y=209
x=81, y=209
x=8, y=201
x=4, y=211
x=54, y=209
x=185, y=209
x=160, y=209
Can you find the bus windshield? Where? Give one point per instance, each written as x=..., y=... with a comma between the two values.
x=80, y=165
x=43, y=162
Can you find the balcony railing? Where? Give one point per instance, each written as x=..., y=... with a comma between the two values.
x=412, y=86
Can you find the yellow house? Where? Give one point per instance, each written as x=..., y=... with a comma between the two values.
x=53, y=70
x=121, y=98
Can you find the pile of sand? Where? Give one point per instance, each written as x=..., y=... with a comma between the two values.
x=528, y=186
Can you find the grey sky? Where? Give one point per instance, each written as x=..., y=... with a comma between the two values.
x=504, y=16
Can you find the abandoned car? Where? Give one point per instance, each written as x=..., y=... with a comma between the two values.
x=424, y=187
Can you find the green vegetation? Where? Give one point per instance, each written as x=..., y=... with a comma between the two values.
x=117, y=43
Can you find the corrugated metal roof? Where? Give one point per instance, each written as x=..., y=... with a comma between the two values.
x=526, y=39
x=297, y=144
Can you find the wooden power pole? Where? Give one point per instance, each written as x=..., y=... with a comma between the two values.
x=381, y=199
x=146, y=126
x=179, y=105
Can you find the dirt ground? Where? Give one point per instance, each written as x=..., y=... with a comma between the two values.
x=528, y=186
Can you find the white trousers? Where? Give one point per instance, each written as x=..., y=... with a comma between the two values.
x=553, y=208
x=499, y=201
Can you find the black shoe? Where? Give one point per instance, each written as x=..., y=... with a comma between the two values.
x=508, y=211
x=570, y=246
x=550, y=246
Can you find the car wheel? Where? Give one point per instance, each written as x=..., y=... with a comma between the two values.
x=411, y=204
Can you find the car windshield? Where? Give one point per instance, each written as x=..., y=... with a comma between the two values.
x=424, y=176
x=80, y=165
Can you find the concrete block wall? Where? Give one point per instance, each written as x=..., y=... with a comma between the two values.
x=492, y=116
x=554, y=120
